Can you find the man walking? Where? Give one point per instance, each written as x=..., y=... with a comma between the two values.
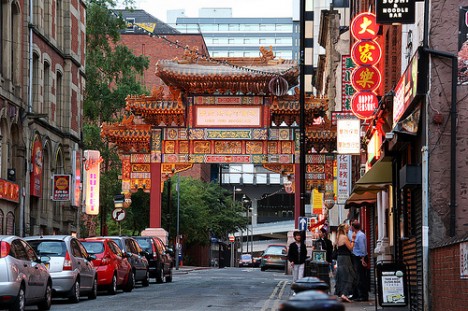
x=297, y=255
x=324, y=244
x=359, y=259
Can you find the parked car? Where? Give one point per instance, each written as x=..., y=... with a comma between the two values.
x=256, y=261
x=136, y=256
x=70, y=266
x=113, y=269
x=245, y=260
x=160, y=259
x=275, y=256
x=24, y=278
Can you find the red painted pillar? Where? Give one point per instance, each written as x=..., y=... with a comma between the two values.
x=155, y=196
x=297, y=195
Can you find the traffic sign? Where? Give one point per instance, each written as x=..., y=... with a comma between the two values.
x=118, y=214
x=303, y=223
x=232, y=238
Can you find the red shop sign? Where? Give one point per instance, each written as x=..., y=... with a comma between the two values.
x=363, y=104
x=366, y=53
x=366, y=78
x=364, y=26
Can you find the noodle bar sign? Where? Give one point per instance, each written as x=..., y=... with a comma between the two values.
x=366, y=53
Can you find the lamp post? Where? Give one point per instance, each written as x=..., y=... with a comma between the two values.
x=246, y=202
x=234, y=190
x=177, y=224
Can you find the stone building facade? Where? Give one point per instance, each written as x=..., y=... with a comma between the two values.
x=41, y=101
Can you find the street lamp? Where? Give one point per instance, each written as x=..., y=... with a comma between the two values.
x=246, y=202
x=235, y=189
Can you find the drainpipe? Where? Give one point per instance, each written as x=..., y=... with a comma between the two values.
x=453, y=140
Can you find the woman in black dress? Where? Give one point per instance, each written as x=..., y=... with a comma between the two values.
x=345, y=274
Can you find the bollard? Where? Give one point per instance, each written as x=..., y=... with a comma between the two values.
x=309, y=283
x=311, y=300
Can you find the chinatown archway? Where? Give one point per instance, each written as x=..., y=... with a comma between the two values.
x=223, y=111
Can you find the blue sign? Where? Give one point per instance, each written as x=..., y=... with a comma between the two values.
x=303, y=223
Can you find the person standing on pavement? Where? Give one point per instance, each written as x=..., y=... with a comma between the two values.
x=359, y=258
x=323, y=243
x=297, y=255
x=345, y=274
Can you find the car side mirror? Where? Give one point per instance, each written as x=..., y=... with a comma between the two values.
x=91, y=257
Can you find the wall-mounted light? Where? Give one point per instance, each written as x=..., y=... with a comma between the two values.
x=11, y=176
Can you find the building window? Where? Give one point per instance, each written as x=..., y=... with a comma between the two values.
x=1, y=222
x=15, y=57
x=59, y=100
x=130, y=24
x=36, y=83
x=246, y=40
x=59, y=17
x=2, y=55
x=46, y=104
x=231, y=41
x=47, y=18
x=10, y=224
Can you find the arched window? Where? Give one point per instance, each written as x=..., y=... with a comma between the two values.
x=15, y=59
x=1, y=222
x=47, y=89
x=59, y=24
x=10, y=224
x=59, y=100
x=36, y=83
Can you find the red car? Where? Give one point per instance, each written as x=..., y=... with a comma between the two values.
x=113, y=269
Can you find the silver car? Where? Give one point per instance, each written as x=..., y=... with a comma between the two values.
x=24, y=278
x=71, y=266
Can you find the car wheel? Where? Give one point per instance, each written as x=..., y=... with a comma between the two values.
x=169, y=277
x=19, y=303
x=75, y=292
x=93, y=293
x=113, y=286
x=47, y=302
x=160, y=275
x=146, y=280
x=130, y=285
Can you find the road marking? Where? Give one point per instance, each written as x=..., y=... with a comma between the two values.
x=275, y=297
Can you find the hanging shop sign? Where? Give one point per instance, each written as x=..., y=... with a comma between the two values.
x=366, y=78
x=36, y=171
x=347, y=90
x=348, y=140
x=408, y=88
x=363, y=105
x=395, y=11
x=344, y=177
x=463, y=46
x=366, y=53
x=61, y=187
x=364, y=26
x=92, y=176
x=373, y=147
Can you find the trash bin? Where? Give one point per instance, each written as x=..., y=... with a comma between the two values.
x=309, y=283
x=311, y=300
x=319, y=269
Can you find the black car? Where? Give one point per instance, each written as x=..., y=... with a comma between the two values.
x=136, y=256
x=160, y=258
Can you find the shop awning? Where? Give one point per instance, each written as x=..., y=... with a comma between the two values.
x=375, y=180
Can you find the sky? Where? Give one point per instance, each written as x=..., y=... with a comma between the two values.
x=240, y=8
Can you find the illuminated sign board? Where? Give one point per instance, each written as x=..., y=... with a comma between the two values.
x=92, y=176
x=395, y=11
x=61, y=187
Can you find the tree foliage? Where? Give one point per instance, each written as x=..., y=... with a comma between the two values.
x=205, y=210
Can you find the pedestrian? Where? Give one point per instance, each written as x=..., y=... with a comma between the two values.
x=345, y=273
x=359, y=259
x=323, y=243
x=297, y=255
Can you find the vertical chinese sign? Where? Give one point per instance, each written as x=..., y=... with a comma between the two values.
x=347, y=90
x=366, y=53
x=92, y=175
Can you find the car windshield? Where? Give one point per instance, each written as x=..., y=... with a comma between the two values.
x=275, y=250
x=93, y=247
x=49, y=248
x=145, y=244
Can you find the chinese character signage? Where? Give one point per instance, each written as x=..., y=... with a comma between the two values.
x=344, y=177
x=76, y=185
x=347, y=89
x=348, y=139
x=92, y=167
x=61, y=188
x=9, y=191
x=36, y=163
x=395, y=11
x=366, y=53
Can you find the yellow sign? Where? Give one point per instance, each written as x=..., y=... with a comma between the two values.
x=317, y=202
